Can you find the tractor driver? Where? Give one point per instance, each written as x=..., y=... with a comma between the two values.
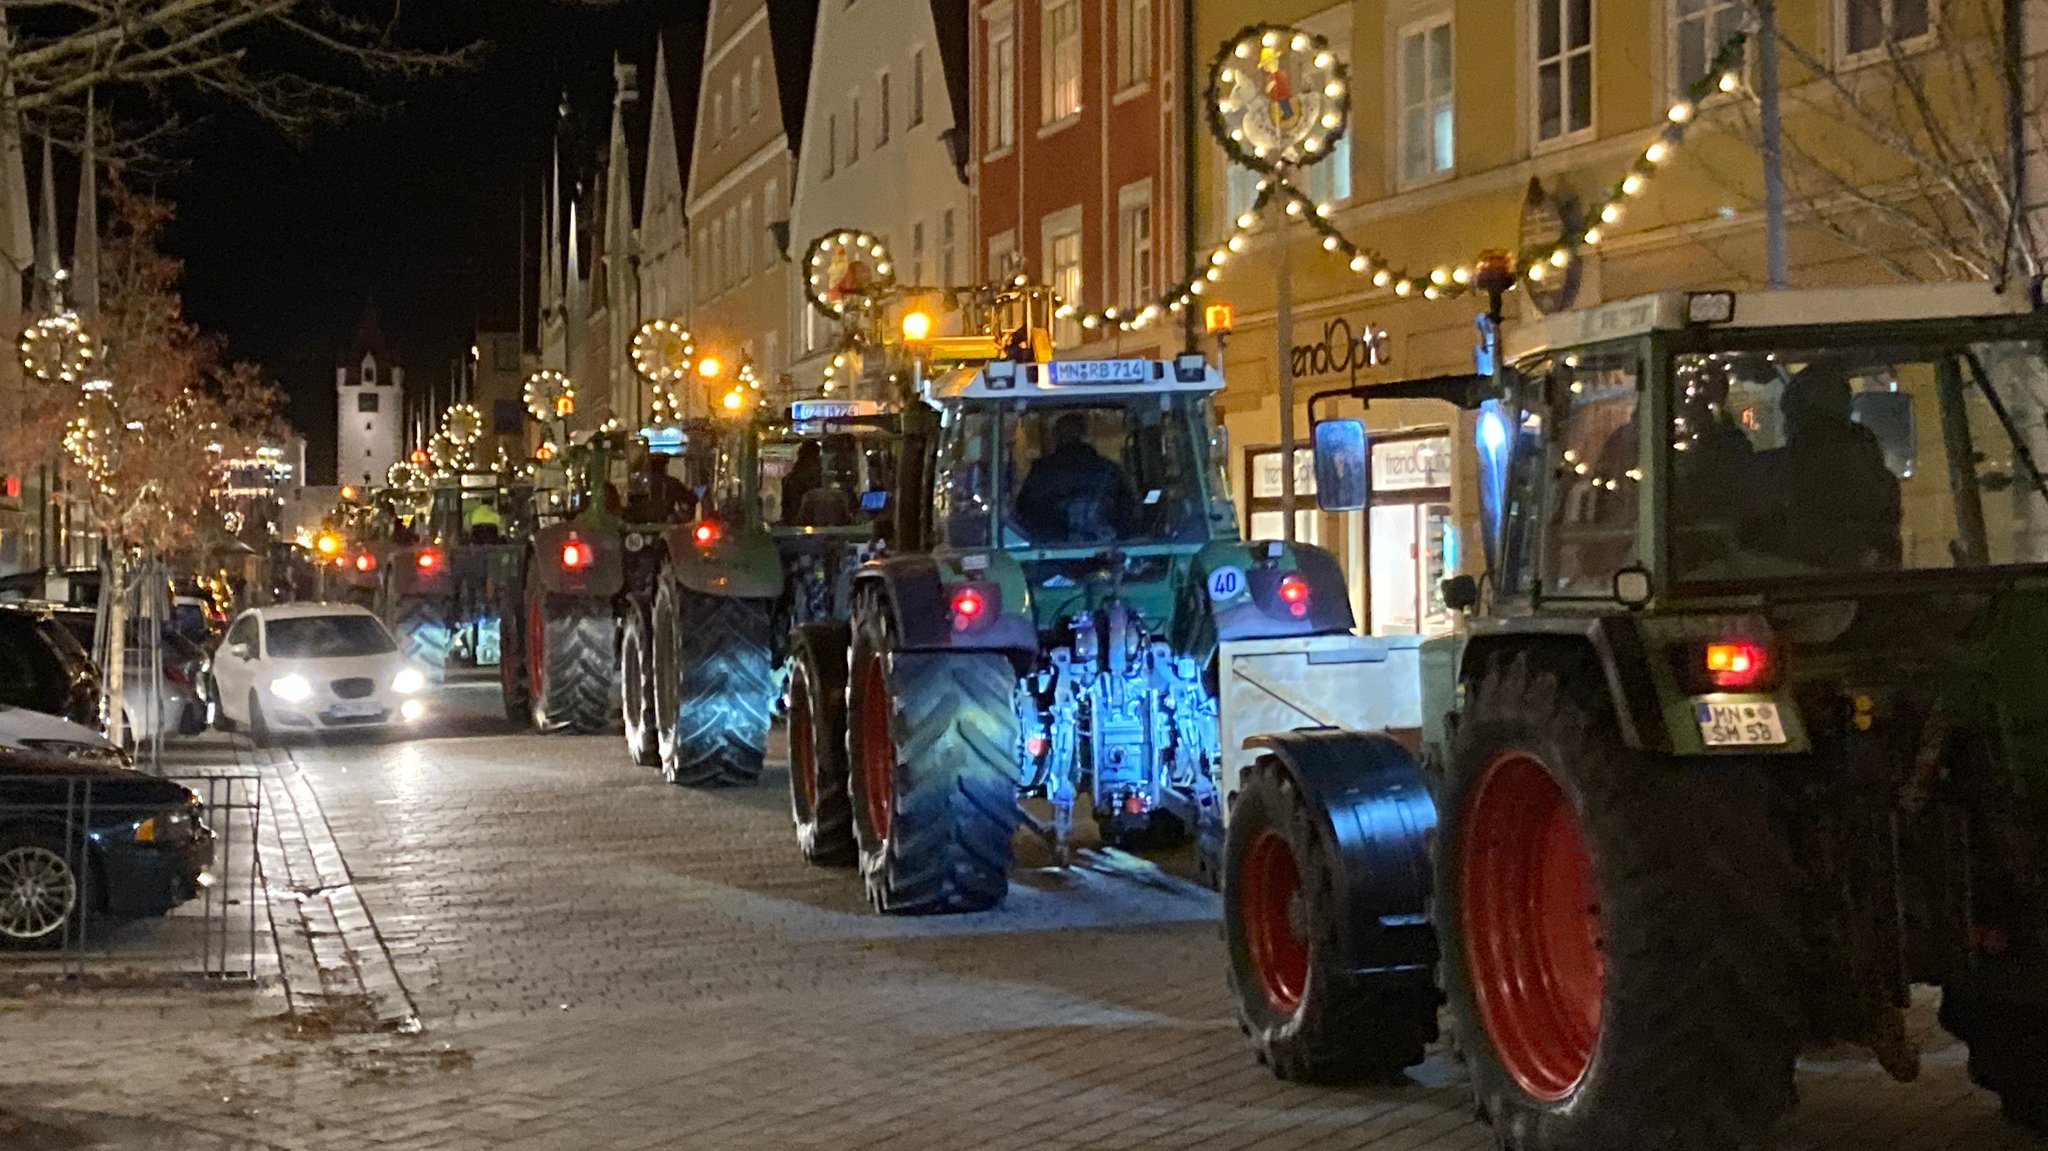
x=1838, y=503
x=660, y=497
x=1072, y=493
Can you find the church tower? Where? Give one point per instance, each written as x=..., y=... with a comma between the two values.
x=369, y=390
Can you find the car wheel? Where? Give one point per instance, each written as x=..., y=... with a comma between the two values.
x=40, y=890
x=259, y=731
x=218, y=706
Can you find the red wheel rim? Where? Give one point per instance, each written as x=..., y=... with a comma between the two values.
x=877, y=752
x=1532, y=925
x=1269, y=894
x=536, y=647
x=803, y=755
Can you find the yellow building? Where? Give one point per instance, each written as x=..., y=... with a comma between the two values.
x=1501, y=124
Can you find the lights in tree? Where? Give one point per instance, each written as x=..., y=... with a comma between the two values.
x=549, y=395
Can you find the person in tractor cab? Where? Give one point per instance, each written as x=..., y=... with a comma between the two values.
x=807, y=475
x=1715, y=482
x=483, y=523
x=659, y=497
x=1072, y=493
x=1838, y=504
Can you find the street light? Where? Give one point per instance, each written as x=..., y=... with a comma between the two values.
x=710, y=366
x=917, y=327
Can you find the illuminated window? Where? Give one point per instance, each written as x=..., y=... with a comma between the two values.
x=1062, y=238
x=1134, y=242
x=1133, y=42
x=1427, y=124
x=1698, y=30
x=1060, y=66
x=1002, y=83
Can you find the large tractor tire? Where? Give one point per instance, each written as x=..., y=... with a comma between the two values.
x=636, y=685
x=1309, y=1017
x=1619, y=943
x=819, y=797
x=513, y=683
x=424, y=635
x=568, y=645
x=714, y=691
x=933, y=740
x=2001, y=1011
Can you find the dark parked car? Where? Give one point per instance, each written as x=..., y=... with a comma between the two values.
x=78, y=839
x=43, y=668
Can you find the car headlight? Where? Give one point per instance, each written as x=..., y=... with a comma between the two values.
x=291, y=688
x=408, y=681
x=179, y=826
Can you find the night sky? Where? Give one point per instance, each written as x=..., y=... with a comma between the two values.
x=420, y=209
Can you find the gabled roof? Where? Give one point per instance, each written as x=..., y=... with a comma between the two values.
x=953, y=23
x=683, y=53
x=369, y=339
x=792, y=29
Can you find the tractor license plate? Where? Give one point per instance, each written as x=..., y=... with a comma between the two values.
x=1739, y=724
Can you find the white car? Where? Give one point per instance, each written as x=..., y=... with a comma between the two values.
x=313, y=668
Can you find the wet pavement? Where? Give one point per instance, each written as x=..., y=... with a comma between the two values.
x=495, y=940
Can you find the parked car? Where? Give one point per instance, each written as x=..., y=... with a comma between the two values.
x=180, y=710
x=43, y=668
x=34, y=731
x=80, y=837
x=313, y=668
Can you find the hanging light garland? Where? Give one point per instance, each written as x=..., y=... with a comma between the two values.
x=1442, y=280
x=57, y=349
x=549, y=395
x=846, y=268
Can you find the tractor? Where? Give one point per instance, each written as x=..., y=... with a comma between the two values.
x=1041, y=621
x=1744, y=732
x=440, y=585
x=790, y=509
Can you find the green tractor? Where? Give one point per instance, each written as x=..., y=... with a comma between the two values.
x=1743, y=738
x=1043, y=620
x=791, y=507
x=439, y=589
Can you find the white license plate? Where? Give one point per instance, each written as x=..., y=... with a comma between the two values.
x=357, y=709
x=1739, y=724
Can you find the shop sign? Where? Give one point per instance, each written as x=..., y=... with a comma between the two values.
x=1342, y=350
x=1411, y=464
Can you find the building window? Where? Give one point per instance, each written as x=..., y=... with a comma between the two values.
x=1875, y=25
x=946, y=248
x=735, y=271
x=717, y=117
x=1427, y=124
x=1134, y=242
x=1002, y=256
x=1133, y=42
x=369, y=372
x=882, y=114
x=917, y=87
x=1564, y=68
x=735, y=123
x=366, y=401
x=1061, y=232
x=1002, y=84
x=853, y=133
x=1060, y=60
x=1266, y=503
x=1698, y=30
x=754, y=88
x=746, y=260
x=831, y=144
x=917, y=252
x=771, y=211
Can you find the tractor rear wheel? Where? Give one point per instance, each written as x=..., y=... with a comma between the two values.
x=1310, y=1019
x=819, y=799
x=513, y=686
x=933, y=740
x=568, y=645
x=424, y=635
x=714, y=730
x=1619, y=946
x=636, y=686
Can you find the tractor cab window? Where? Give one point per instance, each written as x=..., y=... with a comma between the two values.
x=965, y=477
x=1126, y=470
x=838, y=479
x=1790, y=462
x=1595, y=480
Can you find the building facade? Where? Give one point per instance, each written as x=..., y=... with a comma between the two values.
x=878, y=156
x=1076, y=144
x=369, y=390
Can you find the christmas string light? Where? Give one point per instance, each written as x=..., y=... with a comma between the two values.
x=844, y=268
x=463, y=424
x=57, y=349
x=549, y=395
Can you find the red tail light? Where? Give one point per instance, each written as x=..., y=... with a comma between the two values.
x=429, y=560
x=576, y=554
x=177, y=675
x=1737, y=664
x=366, y=562
x=706, y=533
x=969, y=606
x=1294, y=593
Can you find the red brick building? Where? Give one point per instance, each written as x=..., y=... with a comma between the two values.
x=1076, y=138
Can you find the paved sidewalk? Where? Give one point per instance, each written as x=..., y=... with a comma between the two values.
x=597, y=960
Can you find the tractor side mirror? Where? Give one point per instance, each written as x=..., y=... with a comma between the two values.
x=1460, y=592
x=1342, y=483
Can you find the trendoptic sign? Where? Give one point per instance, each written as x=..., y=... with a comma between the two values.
x=1278, y=96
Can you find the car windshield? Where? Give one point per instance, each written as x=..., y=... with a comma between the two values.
x=326, y=636
x=1824, y=460
x=1110, y=471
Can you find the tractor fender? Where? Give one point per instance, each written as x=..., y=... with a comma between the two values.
x=1375, y=811
x=1242, y=586
x=601, y=573
x=920, y=603
x=740, y=565
x=1610, y=643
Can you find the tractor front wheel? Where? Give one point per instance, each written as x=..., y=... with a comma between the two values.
x=933, y=738
x=424, y=635
x=1308, y=1016
x=714, y=722
x=1619, y=946
x=819, y=798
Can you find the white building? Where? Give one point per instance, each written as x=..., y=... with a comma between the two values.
x=369, y=387
x=875, y=158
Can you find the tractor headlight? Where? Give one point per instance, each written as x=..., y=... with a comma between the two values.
x=409, y=681
x=291, y=688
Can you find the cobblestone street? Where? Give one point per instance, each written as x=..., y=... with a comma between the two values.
x=488, y=940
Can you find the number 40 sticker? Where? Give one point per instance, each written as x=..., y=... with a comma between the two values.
x=1226, y=583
